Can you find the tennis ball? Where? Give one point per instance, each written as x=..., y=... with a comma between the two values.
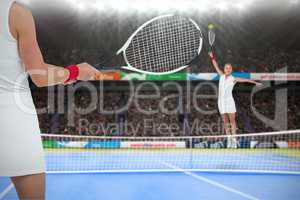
x=211, y=26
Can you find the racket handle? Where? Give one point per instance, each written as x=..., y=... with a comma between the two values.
x=213, y=57
x=100, y=67
x=211, y=48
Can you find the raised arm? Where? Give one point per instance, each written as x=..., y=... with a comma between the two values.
x=215, y=63
x=42, y=74
x=243, y=80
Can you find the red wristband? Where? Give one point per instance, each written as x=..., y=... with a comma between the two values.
x=213, y=57
x=74, y=73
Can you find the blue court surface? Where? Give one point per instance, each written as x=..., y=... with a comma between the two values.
x=148, y=175
x=173, y=186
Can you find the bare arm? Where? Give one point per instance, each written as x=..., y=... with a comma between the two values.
x=215, y=64
x=42, y=74
x=243, y=80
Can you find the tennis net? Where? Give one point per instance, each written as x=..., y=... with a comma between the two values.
x=271, y=152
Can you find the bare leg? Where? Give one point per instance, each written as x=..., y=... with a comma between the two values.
x=233, y=125
x=30, y=187
x=226, y=122
x=232, y=118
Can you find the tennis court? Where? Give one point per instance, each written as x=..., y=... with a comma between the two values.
x=132, y=173
x=156, y=186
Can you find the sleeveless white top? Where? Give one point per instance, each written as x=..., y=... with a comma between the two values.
x=12, y=72
x=21, y=151
x=226, y=102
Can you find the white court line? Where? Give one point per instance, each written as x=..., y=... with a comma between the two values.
x=214, y=183
x=6, y=191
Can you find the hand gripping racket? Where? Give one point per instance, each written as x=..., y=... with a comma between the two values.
x=163, y=45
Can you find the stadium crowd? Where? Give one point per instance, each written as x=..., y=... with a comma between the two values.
x=169, y=115
x=187, y=120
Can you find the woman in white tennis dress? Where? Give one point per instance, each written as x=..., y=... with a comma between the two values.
x=226, y=103
x=21, y=152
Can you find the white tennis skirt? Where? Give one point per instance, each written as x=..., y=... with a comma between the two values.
x=226, y=106
x=21, y=151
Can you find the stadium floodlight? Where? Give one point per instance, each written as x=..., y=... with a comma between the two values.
x=77, y=4
x=120, y=6
x=161, y=5
x=203, y=6
x=99, y=6
x=80, y=6
x=240, y=5
x=166, y=5
x=294, y=1
x=222, y=6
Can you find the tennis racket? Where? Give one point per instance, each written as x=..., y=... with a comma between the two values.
x=211, y=36
x=163, y=45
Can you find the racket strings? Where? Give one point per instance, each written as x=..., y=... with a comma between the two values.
x=211, y=37
x=164, y=45
x=164, y=42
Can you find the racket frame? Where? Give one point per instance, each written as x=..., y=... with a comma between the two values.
x=125, y=46
x=211, y=43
